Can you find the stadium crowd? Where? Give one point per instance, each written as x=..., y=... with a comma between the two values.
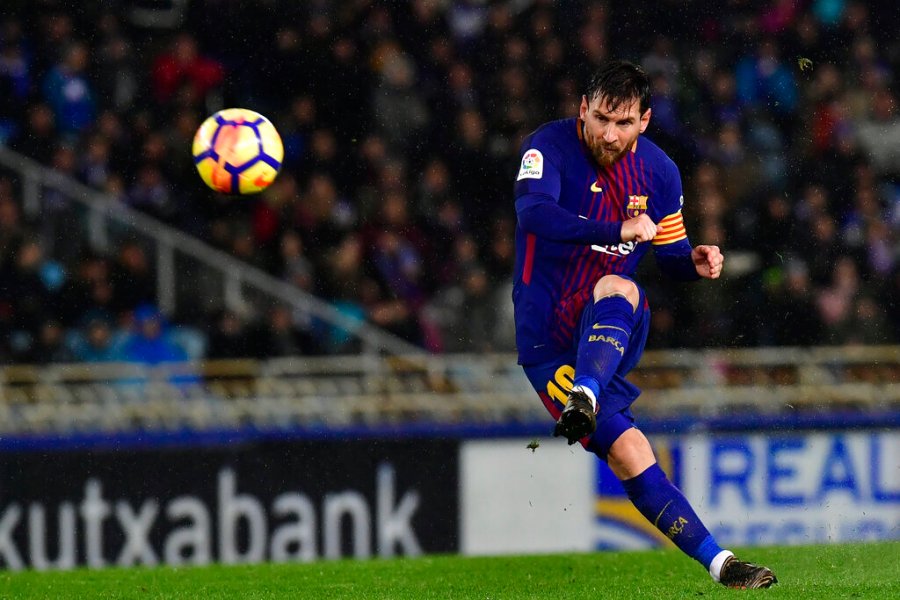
x=402, y=122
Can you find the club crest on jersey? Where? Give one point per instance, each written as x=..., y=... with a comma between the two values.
x=636, y=206
x=532, y=165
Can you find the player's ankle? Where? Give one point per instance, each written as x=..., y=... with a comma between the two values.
x=715, y=567
x=587, y=392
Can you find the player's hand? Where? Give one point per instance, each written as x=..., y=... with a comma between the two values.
x=708, y=261
x=639, y=229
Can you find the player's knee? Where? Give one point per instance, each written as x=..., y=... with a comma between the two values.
x=630, y=455
x=613, y=285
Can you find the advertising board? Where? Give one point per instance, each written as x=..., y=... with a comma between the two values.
x=770, y=488
x=239, y=503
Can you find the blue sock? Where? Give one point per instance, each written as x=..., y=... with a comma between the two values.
x=602, y=346
x=665, y=506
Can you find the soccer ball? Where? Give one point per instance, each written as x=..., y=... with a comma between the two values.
x=238, y=151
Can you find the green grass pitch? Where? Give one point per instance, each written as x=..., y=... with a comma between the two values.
x=870, y=570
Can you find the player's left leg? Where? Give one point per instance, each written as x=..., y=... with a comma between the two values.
x=621, y=315
x=631, y=459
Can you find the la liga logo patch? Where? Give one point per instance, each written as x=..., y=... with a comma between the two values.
x=532, y=165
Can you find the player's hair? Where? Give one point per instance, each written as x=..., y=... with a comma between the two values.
x=619, y=81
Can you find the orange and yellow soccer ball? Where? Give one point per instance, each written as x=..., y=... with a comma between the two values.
x=238, y=151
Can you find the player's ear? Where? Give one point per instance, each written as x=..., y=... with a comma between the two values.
x=645, y=120
x=582, y=112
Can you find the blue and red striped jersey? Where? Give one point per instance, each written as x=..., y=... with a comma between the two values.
x=555, y=276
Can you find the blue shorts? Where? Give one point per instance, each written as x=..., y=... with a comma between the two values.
x=553, y=380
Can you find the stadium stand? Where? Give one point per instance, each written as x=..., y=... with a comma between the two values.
x=401, y=123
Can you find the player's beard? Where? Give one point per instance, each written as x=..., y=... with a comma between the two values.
x=606, y=156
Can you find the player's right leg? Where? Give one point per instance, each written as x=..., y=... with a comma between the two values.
x=631, y=459
x=606, y=330
x=605, y=347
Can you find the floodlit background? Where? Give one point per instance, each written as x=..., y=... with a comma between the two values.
x=327, y=369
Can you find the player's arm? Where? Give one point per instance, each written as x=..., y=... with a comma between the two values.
x=537, y=192
x=674, y=253
x=676, y=260
x=680, y=261
x=541, y=215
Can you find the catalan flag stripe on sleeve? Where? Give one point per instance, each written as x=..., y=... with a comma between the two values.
x=671, y=229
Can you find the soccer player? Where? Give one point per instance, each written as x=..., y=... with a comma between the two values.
x=592, y=196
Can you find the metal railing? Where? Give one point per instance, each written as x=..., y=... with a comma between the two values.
x=178, y=254
x=468, y=389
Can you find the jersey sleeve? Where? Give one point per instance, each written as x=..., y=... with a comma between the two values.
x=667, y=212
x=671, y=245
x=540, y=171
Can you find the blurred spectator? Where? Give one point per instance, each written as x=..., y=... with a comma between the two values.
x=150, y=343
x=152, y=194
x=472, y=155
x=343, y=282
x=765, y=80
x=26, y=290
x=15, y=79
x=94, y=167
x=793, y=319
x=868, y=325
x=68, y=92
x=272, y=215
x=467, y=19
x=77, y=294
x=879, y=132
x=115, y=56
x=176, y=143
x=322, y=215
x=400, y=112
x=48, y=347
x=132, y=278
x=295, y=129
x=37, y=137
x=183, y=72
x=97, y=342
x=228, y=338
x=399, y=267
x=474, y=316
x=296, y=267
x=836, y=303
x=662, y=61
x=279, y=335
x=60, y=223
x=434, y=189
x=11, y=229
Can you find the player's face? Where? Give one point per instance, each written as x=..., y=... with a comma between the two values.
x=611, y=133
